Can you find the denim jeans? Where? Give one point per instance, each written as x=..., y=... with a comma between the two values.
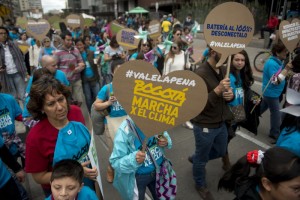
x=90, y=90
x=18, y=86
x=275, y=119
x=210, y=144
x=146, y=180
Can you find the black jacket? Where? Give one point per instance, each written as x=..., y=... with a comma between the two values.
x=216, y=110
x=247, y=191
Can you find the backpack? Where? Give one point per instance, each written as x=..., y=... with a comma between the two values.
x=98, y=117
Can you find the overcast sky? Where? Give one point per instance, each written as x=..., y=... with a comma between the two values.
x=53, y=4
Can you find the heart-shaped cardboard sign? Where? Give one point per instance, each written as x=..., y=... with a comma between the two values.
x=157, y=103
x=154, y=29
x=74, y=21
x=21, y=22
x=126, y=39
x=228, y=28
x=38, y=29
x=115, y=27
x=24, y=48
x=289, y=33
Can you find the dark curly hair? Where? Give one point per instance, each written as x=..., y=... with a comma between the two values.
x=40, y=88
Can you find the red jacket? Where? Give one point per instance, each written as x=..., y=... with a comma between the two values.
x=272, y=22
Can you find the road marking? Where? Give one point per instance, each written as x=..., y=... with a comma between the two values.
x=253, y=140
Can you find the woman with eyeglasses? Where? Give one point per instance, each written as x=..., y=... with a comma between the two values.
x=143, y=47
x=175, y=60
x=56, y=41
x=47, y=48
x=176, y=34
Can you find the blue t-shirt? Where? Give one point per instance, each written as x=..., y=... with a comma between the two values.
x=85, y=194
x=4, y=173
x=134, y=56
x=92, y=48
x=59, y=75
x=271, y=67
x=148, y=166
x=76, y=34
x=73, y=142
x=49, y=50
x=237, y=91
x=88, y=71
x=9, y=110
x=116, y=110
x=289, y=138
x=14, y=36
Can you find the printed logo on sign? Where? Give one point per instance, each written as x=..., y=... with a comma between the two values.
x=229, y=31
x=81, y=155
x=156, y=153
x=156, y=103
x=5, y=119
x=73, y=21
x=127, y=37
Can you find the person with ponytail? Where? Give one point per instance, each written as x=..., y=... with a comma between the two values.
x=276, y=176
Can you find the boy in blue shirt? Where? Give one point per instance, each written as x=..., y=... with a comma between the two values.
x=67, y=182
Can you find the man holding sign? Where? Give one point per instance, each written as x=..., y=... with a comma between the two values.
x=210, y=130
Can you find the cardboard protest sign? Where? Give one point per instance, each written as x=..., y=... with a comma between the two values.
x=74, y=21
x=115, y=27
x=5, y=10
x=21, y=22
x=37, y=29
x=157, y=103
x=229, y=28
x=95, y=163
x=289, y=33
x=53, y=19
x=126, y=39
x=24, y=48
x=154, y=29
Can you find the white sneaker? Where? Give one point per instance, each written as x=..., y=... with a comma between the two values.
x=188, y=125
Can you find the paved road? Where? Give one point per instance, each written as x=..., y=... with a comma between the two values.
x=183, y=146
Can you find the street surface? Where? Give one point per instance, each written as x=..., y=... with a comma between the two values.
x=183, y=146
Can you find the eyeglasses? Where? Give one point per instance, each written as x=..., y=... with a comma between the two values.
x=3, y=33
x=47, y=41
x=146, y=45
